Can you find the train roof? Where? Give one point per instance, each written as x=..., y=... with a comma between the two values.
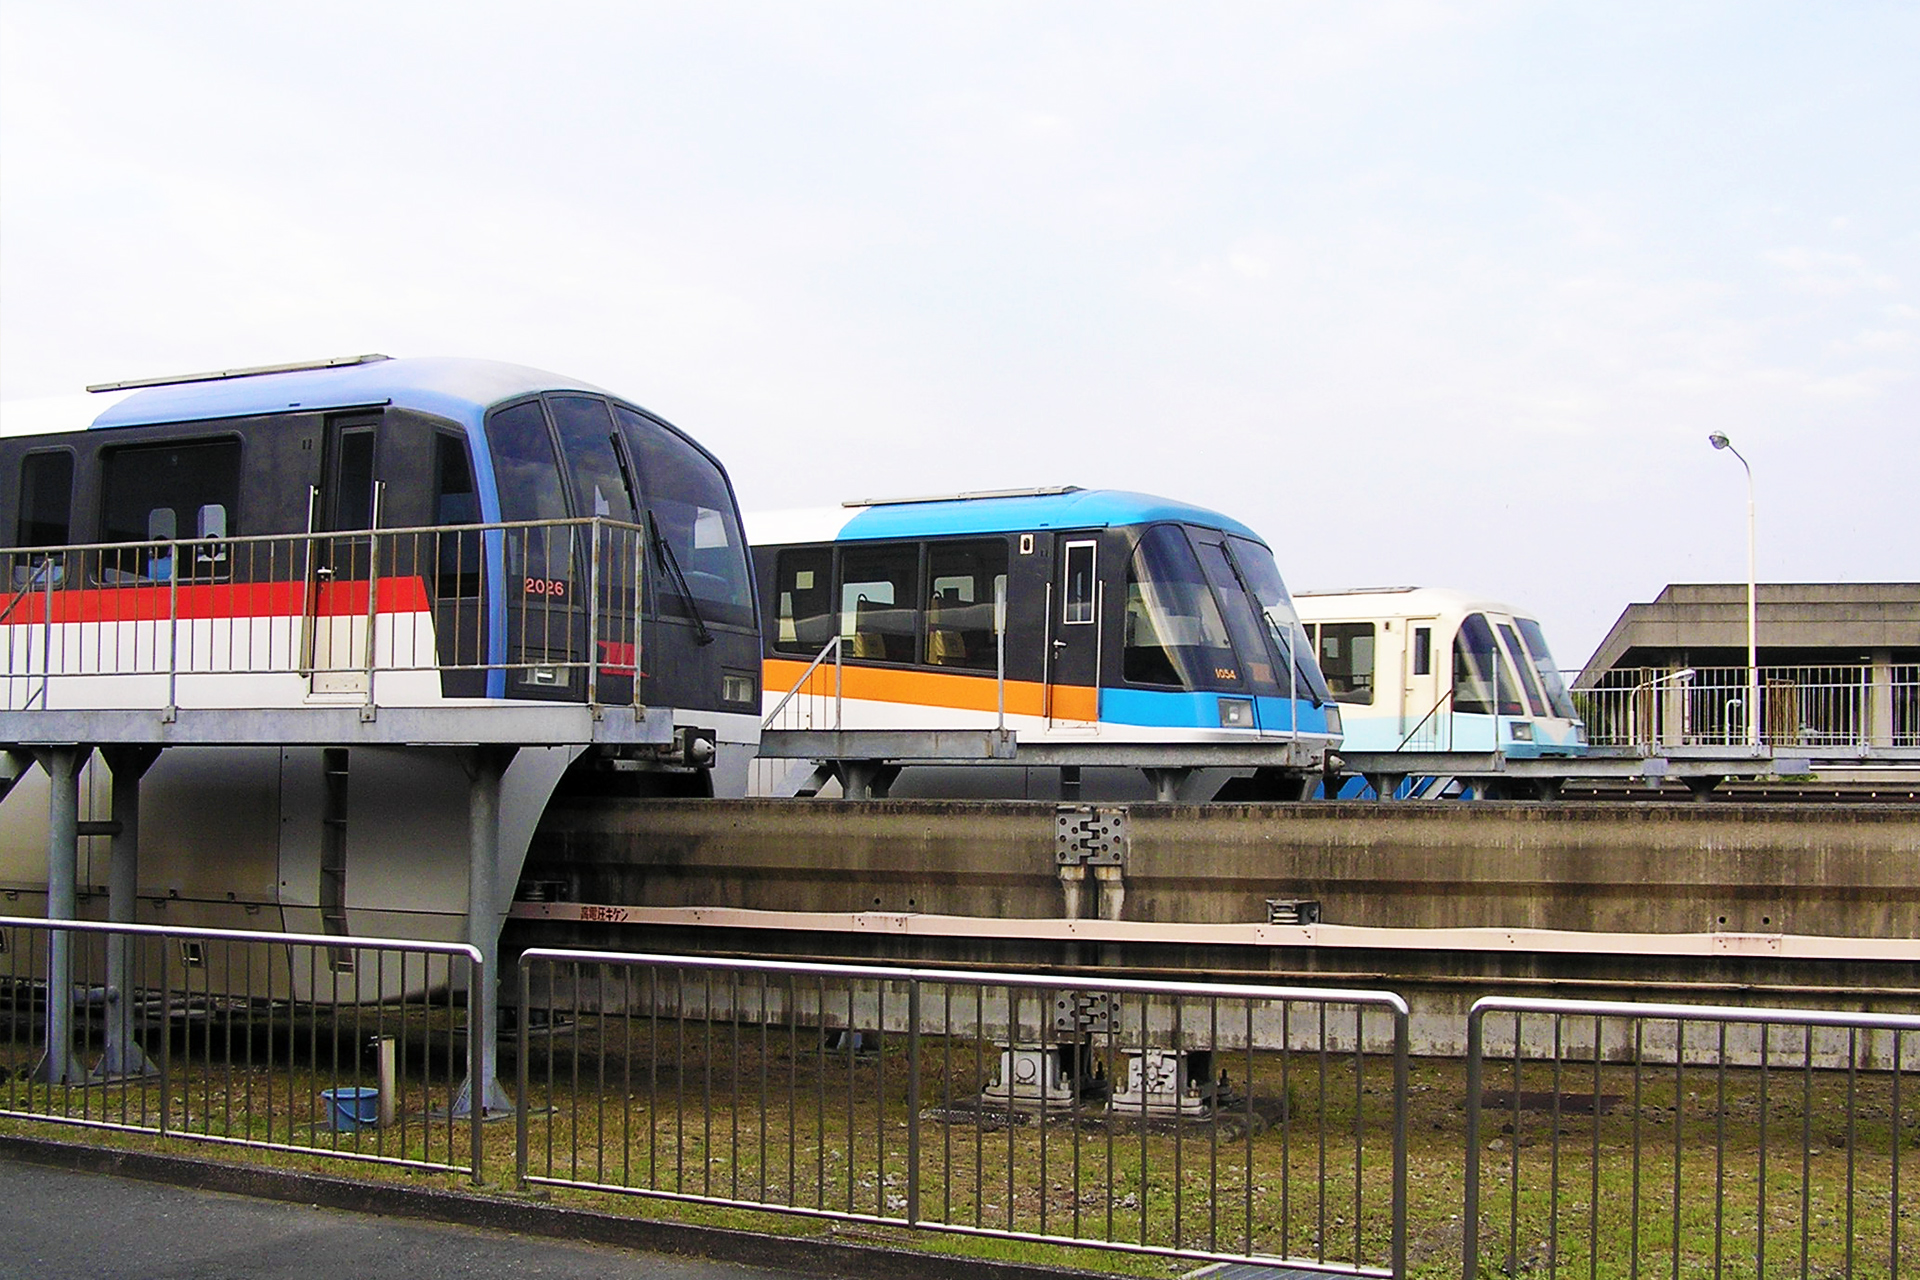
x=1011, y=512
x=454, y=388
x=1395, y=602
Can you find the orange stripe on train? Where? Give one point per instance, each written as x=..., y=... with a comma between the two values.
x=934, y=689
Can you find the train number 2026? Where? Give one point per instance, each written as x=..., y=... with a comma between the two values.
x=551, y=588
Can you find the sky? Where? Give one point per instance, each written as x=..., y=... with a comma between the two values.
x=1447, y=294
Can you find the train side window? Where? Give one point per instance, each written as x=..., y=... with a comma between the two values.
x=1078, y=598
x=586, y=439
x=1346, y=659
x=803, y=600
x=878, y=617
x=1423, y=651
x=146, y=488
x=46, y=499
x=455, y=501
x=966, y=578
x=523, y=463
x=46, y=515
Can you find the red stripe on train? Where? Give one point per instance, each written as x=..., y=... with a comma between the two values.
x=215, y=600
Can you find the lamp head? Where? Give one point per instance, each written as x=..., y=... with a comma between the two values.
x=1718, y=439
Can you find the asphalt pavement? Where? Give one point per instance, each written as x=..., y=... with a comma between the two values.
x=58, y=1222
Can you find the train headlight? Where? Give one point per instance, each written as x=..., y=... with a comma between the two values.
x=1521, y=731
x=1333, y=718
x=1236, y=713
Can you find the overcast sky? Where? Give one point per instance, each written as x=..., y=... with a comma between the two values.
x=1435, y=293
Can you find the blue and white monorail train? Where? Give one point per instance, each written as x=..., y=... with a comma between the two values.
x=1429, y=669
x=424, y=533
x=1094, y=623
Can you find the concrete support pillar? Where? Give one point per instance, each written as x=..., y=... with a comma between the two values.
x=1112, y=886
x=486, y=767
x=1166, y=783
x=1880, y=700
x=123, y=1056
x=63, y=764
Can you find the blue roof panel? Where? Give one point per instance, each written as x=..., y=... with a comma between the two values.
x=1079, y=509
x=458, y=389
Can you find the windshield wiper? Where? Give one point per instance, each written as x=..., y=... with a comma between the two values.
x=663, y=552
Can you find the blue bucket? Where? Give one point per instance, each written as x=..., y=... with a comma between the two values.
x=351, y=1110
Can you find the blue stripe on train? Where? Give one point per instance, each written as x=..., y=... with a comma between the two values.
x=1170, y=710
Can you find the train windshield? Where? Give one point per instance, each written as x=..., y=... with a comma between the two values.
x=1557, y=695
x=1174, y=632
x=692, y=506
x=1483, y=681
x=1284, y=632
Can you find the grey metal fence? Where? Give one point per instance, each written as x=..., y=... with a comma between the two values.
x=1196, y=1120
x=1621, y=1139
x=1842, y=707
x=398, y=616
x=354, y=1048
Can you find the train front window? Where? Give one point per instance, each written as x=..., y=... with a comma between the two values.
x=1346, y=659
x=1482, y=684
x=1291, y=646
x=691, y=503
x=1243, y=624
x=1174, y=634
x=523, y=464
x=586, y=440
x=1557, y=696
x=1528, y=681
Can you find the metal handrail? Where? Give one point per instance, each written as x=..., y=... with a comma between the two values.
x=272, y=633
x=1432, y=711
x=832, y=646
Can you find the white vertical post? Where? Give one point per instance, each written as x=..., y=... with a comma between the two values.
x=1718, y=440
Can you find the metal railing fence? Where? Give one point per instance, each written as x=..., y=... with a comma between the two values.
x=814, y=701
x=1195, y=1120
x=1842, y=707
x=402, y=616
x=351, y=1048
x=1671, y=1140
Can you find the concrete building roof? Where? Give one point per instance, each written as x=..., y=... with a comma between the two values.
x=1689, y=620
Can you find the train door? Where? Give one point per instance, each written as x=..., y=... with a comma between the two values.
x=1421, y=688
x=342, y=508
x=1074, y=631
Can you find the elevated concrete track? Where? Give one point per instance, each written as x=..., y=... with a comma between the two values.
x=1784, y=903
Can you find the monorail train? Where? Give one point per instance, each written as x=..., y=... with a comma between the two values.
x=464, y=533
x=1430, y=669
x=1112, y=630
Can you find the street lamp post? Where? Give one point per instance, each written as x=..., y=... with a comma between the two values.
x=1718, y=440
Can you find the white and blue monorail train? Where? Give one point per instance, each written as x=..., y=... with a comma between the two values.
x=1088, y=625
x=1427, y=669
x=414, y=533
